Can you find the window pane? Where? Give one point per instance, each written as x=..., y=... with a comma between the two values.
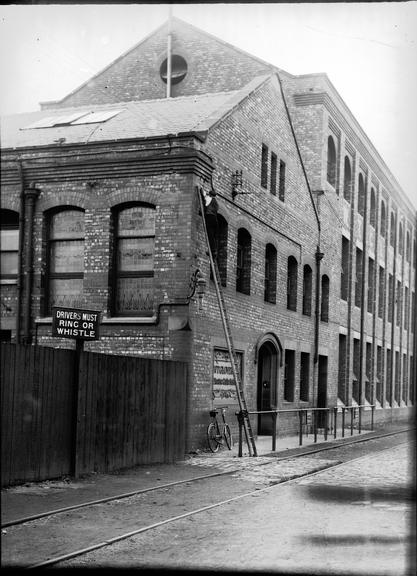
x=135, y=254
x=137, y=221
x=8, y=264
x=67, y=293
x=135, y=296
x=67, y=224
x=9, y=239
x=67, y=256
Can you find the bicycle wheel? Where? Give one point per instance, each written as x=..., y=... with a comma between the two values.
x=212, y=437
x=228, y=436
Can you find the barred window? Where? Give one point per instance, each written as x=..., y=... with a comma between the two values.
x=292, y=283
x=347, y=181
x=270, y=294
x=65, y=259
x=392, y=230
x=383, y=228
x=273, y=178
x=361, y=195
x=325, y=294
x=282, y=180
x=289, y=375
x=264, y=166
x=307, y=289
x=243, y=264
x=372, y=211
x=133, y=288
x=331, y=162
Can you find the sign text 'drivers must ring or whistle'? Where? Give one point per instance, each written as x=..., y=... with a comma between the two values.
x=74, y=323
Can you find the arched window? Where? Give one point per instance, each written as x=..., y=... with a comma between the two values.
x=347, y=180
x=344, y=279
x=372, y=211
x=133, y=263
x=325, y=293
x=414, y=253
x=243, y=263
x=9, y=246
x=400, y=239
x=292, y=283
x=361, y=195
x=383, y=227
x=392, y=230
x=270, y=294
x=65, y=258
x=331, y=162
x=223, y=229
x=407, y=247
x=307, y=289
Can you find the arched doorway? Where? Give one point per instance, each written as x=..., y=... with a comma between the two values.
x=268, y=365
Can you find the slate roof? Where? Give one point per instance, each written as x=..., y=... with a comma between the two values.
x=140, y=119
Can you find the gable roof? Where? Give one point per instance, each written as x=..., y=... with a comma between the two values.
x=133, y=120
x=177, y=24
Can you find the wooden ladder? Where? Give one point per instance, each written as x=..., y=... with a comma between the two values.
x=250, y=440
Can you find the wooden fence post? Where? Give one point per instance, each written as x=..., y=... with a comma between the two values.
x=79, y=347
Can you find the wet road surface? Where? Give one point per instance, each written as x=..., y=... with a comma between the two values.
x=354, y=519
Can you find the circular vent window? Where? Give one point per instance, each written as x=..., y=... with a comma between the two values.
x=178, y=69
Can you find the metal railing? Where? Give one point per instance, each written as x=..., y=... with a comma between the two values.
x=316, y=419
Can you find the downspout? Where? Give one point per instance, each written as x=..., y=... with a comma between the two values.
x=319, y=254
x=394, y=314
x=363, y=299
x=21, y=238
x=31, y=194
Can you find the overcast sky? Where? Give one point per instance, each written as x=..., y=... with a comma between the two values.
x=368, y=50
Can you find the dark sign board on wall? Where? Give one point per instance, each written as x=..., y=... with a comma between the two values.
x=76, y=324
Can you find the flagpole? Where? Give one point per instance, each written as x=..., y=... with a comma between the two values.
x=169, y=55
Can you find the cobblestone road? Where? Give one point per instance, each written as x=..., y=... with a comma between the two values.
x=354, y=519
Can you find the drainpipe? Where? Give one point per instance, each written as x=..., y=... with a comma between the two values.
x=394, y=310
x=31, y=194
x=363, y=297
x=21, y=236
x=318, y=252
x=319, y=257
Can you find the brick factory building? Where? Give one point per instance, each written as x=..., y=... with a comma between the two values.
x=317, y=241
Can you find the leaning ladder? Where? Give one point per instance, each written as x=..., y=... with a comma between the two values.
x=244, y=415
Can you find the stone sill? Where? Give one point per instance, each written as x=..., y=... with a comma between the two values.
x=114, y=320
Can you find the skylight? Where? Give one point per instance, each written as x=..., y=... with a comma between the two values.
x=76, y=118
x=96, y=117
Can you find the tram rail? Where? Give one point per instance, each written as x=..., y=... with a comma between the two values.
x=321, y=448
x=109, y=541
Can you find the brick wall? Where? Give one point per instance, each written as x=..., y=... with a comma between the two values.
x=213, y=66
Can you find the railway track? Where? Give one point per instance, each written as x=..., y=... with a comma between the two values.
x=341, y=454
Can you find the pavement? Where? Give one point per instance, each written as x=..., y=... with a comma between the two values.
x=34, y=498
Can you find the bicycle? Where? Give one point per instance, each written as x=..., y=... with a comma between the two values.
x=214, y=435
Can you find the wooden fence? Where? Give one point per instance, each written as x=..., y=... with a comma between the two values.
x=105, y=412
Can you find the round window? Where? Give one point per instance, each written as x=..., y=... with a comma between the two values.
x=178, y=69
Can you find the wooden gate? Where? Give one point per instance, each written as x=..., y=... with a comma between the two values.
x=113, y=412
x=37, y=412
x=130, y=411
